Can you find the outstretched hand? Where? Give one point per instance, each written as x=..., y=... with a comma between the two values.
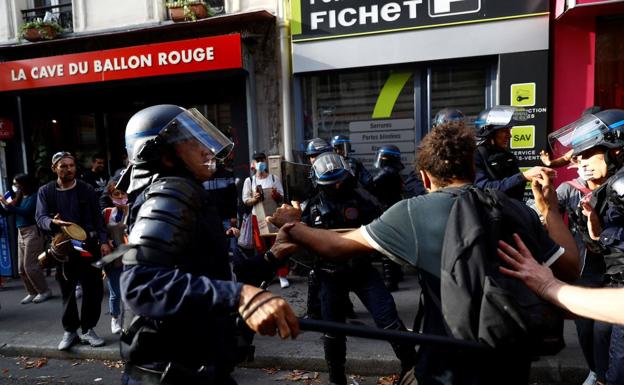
x=267, y=313
x=285, y=214
x=544, y=192
x=524, y=267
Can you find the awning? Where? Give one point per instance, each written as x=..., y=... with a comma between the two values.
x=138, y=35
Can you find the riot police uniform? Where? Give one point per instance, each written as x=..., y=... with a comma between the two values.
x=387, y=186
x=179, y=299
x=602, y=129
x=342, y=146
x=496, y=167
x=339, y=204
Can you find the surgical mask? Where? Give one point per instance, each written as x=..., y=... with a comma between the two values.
x=15, y=188
x=261, y=166
x=120, y=202
x=585, y=173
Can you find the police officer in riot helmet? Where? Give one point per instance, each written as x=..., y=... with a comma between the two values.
x=387, y=186
x=341, y=204
x=179, y=297
x=316, y=147
x=342, y=146
x=496, y=167
x=601, y=135
x=450, y=116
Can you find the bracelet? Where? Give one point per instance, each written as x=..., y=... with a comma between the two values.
x=259, y=305
x=258, y=293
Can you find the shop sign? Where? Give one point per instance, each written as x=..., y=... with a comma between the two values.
x=7, y=130
x=182, y=56
x=326, y=19
x=371, y=148
x=383, y=136
x=375, y=125
x=522, y=137
x=6, y=262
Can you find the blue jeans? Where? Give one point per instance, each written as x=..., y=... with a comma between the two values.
x=114, y=298
x=337, y=280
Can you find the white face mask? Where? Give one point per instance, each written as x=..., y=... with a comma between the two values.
x=15, y=188
x=585, y=173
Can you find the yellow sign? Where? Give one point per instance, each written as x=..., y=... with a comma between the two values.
x=523, y=94
x=527, y=186
x=522, y=137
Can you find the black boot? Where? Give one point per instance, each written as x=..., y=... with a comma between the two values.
x=405, y=352
x=336, y=356
x=390, y=275
x=314, y=300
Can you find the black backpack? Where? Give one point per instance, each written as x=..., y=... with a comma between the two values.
x=477, y=301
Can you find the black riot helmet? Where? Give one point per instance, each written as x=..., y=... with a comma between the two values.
x=388, y=156
x=330, y=168
x=317, y=146
x=496, y=118
x=604, y=128
x=342, y=145
x=448, y=116
x=155, y=129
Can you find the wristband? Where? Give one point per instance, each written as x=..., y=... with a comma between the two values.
x=259, y=305
x=258, y=293
x=272, y=260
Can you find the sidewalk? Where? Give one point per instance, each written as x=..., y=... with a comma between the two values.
x=35, y=330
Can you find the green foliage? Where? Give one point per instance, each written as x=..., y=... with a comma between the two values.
x=39, y=24
x=188, y=11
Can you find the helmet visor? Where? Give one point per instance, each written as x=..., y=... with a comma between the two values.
x=580, y=135
x=330, y=168
x=191, y=124
x=505, y=116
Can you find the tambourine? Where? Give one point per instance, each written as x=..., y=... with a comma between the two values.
x=61, y=246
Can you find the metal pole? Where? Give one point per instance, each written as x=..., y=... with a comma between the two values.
x=285, y=79
x=388, y=335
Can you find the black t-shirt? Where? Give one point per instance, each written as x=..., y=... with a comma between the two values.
x=97, y=180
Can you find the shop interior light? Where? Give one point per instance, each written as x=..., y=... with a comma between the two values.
x=54, y=121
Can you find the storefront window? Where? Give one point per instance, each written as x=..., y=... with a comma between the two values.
x=345, y=104
x=358, y=105
x=460, y=87
x=610, y=62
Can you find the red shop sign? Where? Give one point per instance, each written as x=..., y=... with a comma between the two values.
x=182, y=56
x=6, y=129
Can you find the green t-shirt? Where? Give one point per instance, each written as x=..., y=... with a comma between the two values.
x=412, y=231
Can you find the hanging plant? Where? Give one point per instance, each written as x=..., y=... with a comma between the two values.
x=188, y=10
x=40, y=30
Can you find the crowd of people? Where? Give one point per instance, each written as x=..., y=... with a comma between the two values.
x=186, y=250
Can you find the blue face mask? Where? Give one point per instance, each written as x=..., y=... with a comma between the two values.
x=261, y=167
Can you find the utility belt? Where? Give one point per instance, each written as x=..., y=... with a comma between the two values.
x=172, y=374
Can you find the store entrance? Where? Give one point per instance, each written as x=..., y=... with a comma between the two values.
x=88, y=120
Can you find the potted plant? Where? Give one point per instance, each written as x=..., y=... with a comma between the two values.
x=188, y=10
x=38, y=30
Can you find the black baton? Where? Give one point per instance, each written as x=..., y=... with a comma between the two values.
x=387, y=335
